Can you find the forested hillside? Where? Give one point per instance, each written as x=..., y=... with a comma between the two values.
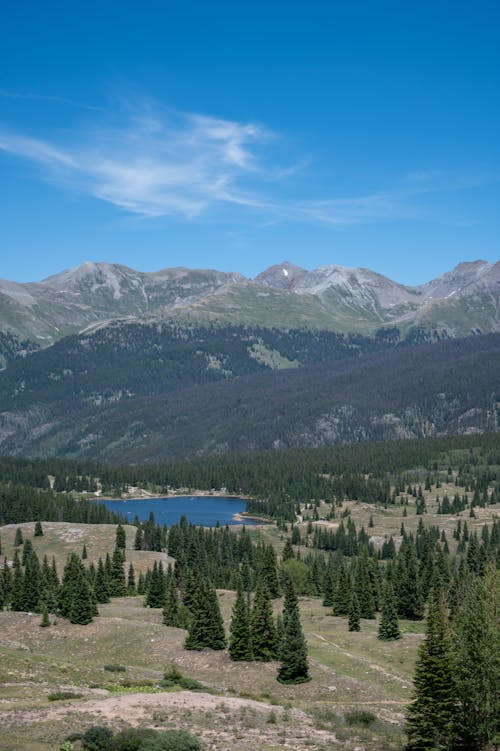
x=158, y=395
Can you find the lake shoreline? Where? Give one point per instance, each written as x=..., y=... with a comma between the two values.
x=238, y=518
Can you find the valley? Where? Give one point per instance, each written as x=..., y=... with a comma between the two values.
x=359, y=684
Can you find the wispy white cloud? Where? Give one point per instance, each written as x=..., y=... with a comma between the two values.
x=45, y=98
x=158, y=162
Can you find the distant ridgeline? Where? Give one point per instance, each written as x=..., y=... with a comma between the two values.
x=276, y=483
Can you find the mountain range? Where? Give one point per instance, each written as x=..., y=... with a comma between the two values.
x=105, y=362
x=460, y=302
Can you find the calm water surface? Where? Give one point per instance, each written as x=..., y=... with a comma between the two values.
x=204, y=510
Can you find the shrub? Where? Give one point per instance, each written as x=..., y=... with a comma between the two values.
x=172, y=740
x=66, y=746
x=131, y=739
x=174, y=677
x=128, y=683
x=98, y=738
x=115, y=668
x=58, y=695
x=359, y=717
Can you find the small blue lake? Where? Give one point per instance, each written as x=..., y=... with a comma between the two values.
x=199, y=510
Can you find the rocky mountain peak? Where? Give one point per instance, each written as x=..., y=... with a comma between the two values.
x=281, y=276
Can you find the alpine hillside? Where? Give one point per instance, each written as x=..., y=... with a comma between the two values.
x=463, y=301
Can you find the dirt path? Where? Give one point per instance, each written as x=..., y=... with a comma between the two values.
x=371, y=665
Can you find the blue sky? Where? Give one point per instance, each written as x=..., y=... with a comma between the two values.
x=234, y=135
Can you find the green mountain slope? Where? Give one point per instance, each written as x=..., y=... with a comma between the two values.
x=135, y=393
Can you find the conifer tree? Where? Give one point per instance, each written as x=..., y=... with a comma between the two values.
x=45, y=616
x=354, y=623
x=102, y=584
x=431, y=717
x=263, y=634
x=27, y=551
x=91, y=573
x=206, y=628
x=84, y=552
x=155, y=595
x=139, y=539
x=409, y=596
x=279, y=631
x=477, y=650
x=82, y=608
x=269, y=573
x=131, y=580
x=363, y=589
x=118, y=583
x=38, y=529
x=121, y=539
x=32, y=584
x=240, y=642
x=18, y=539
x=108, y=568
x=71, y=573
x=328, y=589
x=287, y=551
x=17, y=588
x=171, y=612
x=6, y=580
x=389, y=626
x=293, y=653
x=342, y=593
x=141, y=584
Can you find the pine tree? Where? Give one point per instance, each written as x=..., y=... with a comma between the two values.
x=27, y=551
x=118, y=583
x=293, y=653
x=206, y=628
x=6, y=579
x=269, y=573
x=141, y=584
x=409, y=596
x=16, y=591
x=287, y=551
x=263, y=634
x=102, y=584
x=82, y=606
x=38, y=529
x=121, y=539
x=279, y=631
x=477, y=649
x=342, y=593
x=71, y=573
x=84, y=552
x=32, y=584
x=171, y=613
x=431, y=716
x=389, y=626
x=354, y=623
x=139, y=539
x=240, y=641
x=18, y=539
x=45, y=617
x=328, y=589
x=363, y=589
x=155, y=595
x=131, y=580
